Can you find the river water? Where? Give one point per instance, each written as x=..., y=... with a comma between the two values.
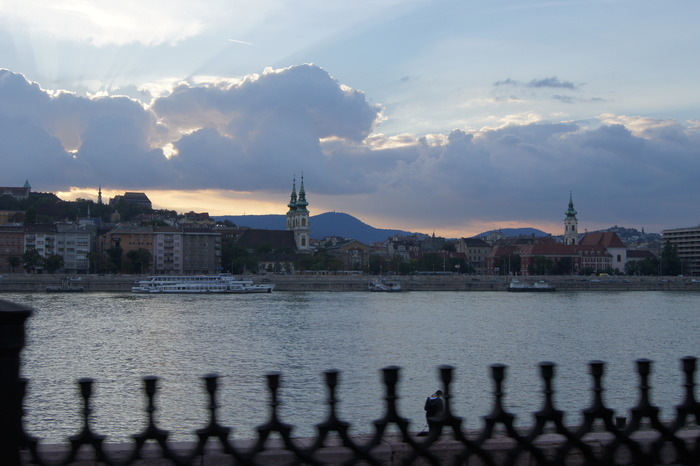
x=117, y=338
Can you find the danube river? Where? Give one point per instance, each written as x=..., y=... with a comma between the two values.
x=117, y=338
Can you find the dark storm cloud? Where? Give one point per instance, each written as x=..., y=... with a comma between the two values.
x=273, y=120
x=66, y=140
x=255, y=134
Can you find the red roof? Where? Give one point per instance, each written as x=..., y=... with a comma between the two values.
x=559, y=249
x=609, y=239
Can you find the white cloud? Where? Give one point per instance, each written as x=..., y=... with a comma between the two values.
x=254, y=133
x=102, y=22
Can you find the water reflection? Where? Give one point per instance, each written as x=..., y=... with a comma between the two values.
x=119, y=338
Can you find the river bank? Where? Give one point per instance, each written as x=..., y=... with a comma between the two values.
x=123, y=283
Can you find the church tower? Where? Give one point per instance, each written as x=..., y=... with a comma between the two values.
x=571, y=223
x=99, y=195
x=298, y=217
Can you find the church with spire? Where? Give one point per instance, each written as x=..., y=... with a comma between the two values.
x=298, y=217
x=570, y=223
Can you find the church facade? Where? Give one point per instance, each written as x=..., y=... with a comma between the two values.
x=298, y=218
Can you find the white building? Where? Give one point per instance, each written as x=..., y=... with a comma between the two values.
x=688, y=242
x=298, y=218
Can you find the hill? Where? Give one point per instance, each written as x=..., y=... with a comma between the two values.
x=347, y=226
x=513, y=232
x=322, y=225
x=634, y=238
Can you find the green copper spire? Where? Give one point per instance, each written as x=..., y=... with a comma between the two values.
x=301, y=203
x=293, y=200
x=571, y=212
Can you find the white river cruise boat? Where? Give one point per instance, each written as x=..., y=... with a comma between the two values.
x=199, y=284
x=518, y=286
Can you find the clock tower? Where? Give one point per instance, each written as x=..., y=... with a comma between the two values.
x=571, y=223
x=298, y=217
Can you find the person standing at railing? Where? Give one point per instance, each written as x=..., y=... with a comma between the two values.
x=433, y=409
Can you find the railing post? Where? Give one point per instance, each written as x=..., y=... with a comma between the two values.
x=12, y=319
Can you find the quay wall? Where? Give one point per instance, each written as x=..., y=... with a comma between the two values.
x=123, y=283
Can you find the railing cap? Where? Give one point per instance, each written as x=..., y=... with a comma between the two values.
x=12, y=312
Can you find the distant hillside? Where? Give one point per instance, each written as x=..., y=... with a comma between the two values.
x=322, y=225
x=635, y=238
x=347, y=226
x=514, y=232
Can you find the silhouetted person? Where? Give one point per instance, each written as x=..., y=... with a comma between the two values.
x=433, y=409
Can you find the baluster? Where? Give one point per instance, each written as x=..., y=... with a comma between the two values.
x=597, y=410
x=152, y=432
x=86, y=436
x=332, y=423
x=498, y=413
x=548, y=413
x=689, y=406
x=12, y=339
x=275, y=424
x=213, y=428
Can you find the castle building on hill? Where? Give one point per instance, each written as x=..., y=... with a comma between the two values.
x=298, y=218
x=17, y=192
x=139, y=199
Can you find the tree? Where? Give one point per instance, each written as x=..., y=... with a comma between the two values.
x=564, y=266
x=670, y=262
x=432, y=262
x=508, y=265
x=139, y=260
x=32, y=260
x=53, y=263
x=99, y=262
x=115, y=256
x=648, y=266
x=541, y=266
x=13, y=262
x=30, y=216
x=377, y=264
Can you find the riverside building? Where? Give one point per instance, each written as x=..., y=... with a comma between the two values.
x=687, y=240
x=298, y=218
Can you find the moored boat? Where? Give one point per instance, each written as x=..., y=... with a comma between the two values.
x=380, y=285
x=66, y=286
x=541, y=285
x=223, y=283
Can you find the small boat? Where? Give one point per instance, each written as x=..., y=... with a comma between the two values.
x=223, y=283
x=539, y=286
x=66, y=286
x=380, y=285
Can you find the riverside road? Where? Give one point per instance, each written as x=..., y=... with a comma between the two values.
x=313, y=282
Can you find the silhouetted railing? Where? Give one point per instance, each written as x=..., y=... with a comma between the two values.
x=601, y=438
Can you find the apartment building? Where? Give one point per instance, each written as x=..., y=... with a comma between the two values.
x=11, y=245
x=687, y=240
x=476, y=250
x=201, y=250
x=168, y=246
x=174, y=250
x=74, y=244
x=69, y=241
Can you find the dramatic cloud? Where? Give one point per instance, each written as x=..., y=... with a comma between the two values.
x=253, y=134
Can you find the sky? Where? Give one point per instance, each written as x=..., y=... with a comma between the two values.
x=450, y=117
